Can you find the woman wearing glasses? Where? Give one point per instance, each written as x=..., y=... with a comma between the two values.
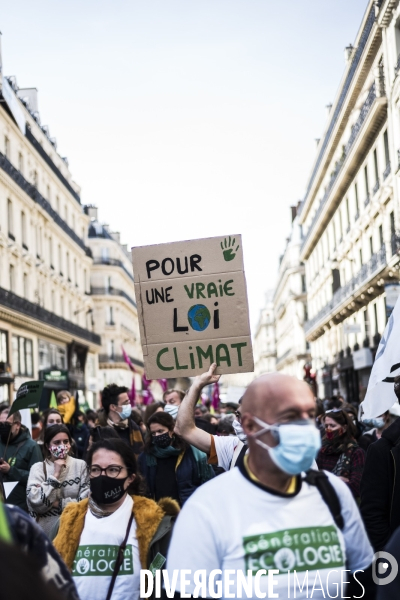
x=105, y=540
x=340, y=454
x=57, y=481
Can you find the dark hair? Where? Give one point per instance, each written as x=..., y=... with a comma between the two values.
x=50, y=433
x=4, y=406
x=334, y=402
x=110, y=395
x=225, y=426
x=342, y=418
x=46, y=414
x=136, y=417
x=151, y=409
x=397, y=387
x=99, y=433
x=164, y=419
x=128, y=458
x=35, y=418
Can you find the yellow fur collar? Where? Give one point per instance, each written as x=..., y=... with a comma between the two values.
x=148, y=515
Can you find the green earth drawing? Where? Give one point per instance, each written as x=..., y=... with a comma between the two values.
x=199, y=317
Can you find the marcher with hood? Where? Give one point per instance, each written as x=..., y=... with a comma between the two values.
x=340, y=454
x=169, y=465
x=18, y=452
x=116, y=413
x=380, y=484
x=57, y=481
x=92, y=531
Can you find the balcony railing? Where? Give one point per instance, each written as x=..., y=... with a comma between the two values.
x=103, y=291
x=117, y=358
x=346, y=86
x=395, y=243
x=367, y=271
x=386, y=172
x=32, y=192
x=346, y=150
x=34, y=311
x=114, y=262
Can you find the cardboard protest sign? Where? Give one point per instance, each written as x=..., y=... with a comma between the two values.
x=28, y=396
x=192, y=307
x=380, y=394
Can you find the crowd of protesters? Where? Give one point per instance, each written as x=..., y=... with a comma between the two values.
x=122, y=474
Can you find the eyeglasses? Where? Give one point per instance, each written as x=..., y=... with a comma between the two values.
x=110, y=471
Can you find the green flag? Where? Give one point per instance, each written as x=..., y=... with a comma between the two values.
x=28, y=396
x=5, y=533
x=53, y=400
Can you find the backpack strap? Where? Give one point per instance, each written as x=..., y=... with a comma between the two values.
x=236, y=454
x=328, y=493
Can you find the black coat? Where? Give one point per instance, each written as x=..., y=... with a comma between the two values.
x=380, y=487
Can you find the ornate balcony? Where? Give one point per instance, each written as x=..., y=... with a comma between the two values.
x=340, y=163
x=367, y=272
x=117, y=358
x=103, y=291
x=114, y=262
x=34, y=311
x=32, y=192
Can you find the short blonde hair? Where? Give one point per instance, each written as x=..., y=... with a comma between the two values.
x=62, y=395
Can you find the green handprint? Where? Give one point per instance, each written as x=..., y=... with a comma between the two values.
x=228, y=249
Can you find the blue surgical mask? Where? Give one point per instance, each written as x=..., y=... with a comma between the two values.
x=125, y=412
x=378, y=422
x=298, y=444
x=239, y=431
x=171, y=409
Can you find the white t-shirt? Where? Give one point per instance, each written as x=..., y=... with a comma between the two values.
x=243, y=527
x=96, y=554
x=225, y=446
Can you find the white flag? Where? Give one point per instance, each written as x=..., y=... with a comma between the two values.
x=380, y=394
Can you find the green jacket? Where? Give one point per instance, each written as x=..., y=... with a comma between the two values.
x=22, y=453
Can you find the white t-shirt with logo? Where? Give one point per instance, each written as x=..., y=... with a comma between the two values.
x=95, y=558
x=244, y=527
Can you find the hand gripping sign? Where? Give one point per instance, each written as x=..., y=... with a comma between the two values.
x=192, y=307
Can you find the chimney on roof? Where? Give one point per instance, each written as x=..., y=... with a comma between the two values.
x=116, y=236
x=328, y=108
x=348, y=53
x=293, y=210
x=31, y=95
x=91, y=211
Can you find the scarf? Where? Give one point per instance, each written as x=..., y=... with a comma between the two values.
x=96, y=511
x=121, y=425
x=204, y=470
x=336, y=448
x=156, y=452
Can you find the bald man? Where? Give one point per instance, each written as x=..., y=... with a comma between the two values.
x=264, y=516
x=223, y=451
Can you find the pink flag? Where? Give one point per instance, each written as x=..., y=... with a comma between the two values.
x=146, y=393
x=164, y=384
x=128, y=360
x=215, y=395
x=132, y=392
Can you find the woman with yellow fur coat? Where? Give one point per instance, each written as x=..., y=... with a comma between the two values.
x=105, y=540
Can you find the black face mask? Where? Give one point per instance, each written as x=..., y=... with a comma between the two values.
x=5, y=429
x=162, y=441
x=107, y=490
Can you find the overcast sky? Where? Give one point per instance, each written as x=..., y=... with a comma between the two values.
x=186, y=118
